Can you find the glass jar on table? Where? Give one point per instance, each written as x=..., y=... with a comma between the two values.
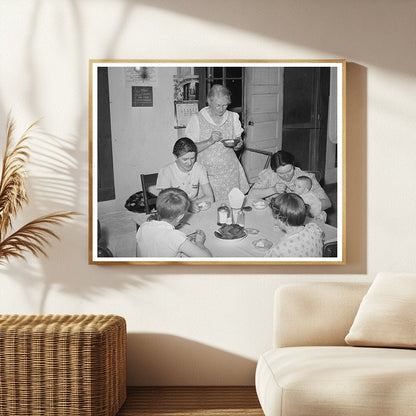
x=238, y=217
x=223, y=214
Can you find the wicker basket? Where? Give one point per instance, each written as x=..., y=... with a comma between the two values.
x=71, y=365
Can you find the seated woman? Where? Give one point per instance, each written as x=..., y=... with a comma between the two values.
x=187, y=174
x=281, y=177
x=300, y=240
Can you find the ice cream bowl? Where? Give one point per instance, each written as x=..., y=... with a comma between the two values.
x=204, y=205
x=259, y=204
x=229, y=142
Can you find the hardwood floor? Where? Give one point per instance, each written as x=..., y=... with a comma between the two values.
x=191, y=401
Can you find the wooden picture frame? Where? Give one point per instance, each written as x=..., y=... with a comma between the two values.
x=297, y=106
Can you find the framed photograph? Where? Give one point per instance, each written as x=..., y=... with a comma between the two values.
x=217, y=162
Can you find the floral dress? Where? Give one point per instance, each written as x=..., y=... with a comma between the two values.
x=269, y=179
x=307, y=243
x=224, y=170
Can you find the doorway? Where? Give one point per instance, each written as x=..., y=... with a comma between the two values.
x=305, y=116
x=280, y=108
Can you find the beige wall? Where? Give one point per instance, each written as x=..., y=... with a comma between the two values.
x=204, y=325
x=142, y=137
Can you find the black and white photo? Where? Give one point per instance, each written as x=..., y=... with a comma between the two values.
x=231, y=162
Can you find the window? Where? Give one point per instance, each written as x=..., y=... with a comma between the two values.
x=231, y=77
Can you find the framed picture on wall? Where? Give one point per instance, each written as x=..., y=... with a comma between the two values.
x=243, y=164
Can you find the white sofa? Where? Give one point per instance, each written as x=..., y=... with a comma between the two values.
x=311, y=370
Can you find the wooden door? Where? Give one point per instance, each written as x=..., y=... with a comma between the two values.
x=305, y=116
x=263, y=115
x=105, y=174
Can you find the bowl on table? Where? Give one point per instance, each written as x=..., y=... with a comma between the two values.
x=259, y=204
x=204, y=205
x=229, y=142
x=262, y=244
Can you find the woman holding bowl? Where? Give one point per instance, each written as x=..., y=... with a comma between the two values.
x=217, y=133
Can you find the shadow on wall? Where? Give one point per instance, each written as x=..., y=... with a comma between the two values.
x=168, y=360
x=341, y=18
x=52, y=186
x=38, y=286
x=61, y=178
x=69, y=185
x=333, y=27
x=57, y=187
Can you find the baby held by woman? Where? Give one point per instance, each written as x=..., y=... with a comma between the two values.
x=303, y=187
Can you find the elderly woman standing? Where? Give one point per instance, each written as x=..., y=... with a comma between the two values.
x=208, y=129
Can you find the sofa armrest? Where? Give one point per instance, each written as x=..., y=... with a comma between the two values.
x=308, y=314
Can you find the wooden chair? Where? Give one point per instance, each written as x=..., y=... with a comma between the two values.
x=262, y=152
x=267, y=157
x=318, y=175
x=149, y=199
x=103, y=250
x=330, y=249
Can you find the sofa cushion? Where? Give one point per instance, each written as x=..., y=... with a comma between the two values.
x=304, y=381
x=387, y=314
x=315, y=313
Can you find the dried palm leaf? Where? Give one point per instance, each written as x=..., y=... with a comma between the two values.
x=32, y=237
x=12, y=183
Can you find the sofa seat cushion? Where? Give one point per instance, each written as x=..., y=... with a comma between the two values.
x=305, y=381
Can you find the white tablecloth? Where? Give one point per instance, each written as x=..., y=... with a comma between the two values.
x=261, y=220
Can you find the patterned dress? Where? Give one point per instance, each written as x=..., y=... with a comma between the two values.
x=307, y=243
x=224, y=170
x=269, y=179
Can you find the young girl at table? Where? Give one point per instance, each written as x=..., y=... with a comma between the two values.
x=299, y=240
x=159, y=238
x=303, y=187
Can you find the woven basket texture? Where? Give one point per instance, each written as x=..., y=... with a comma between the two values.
x=54, y=365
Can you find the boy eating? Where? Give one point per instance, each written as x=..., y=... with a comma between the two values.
x=159, y=238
